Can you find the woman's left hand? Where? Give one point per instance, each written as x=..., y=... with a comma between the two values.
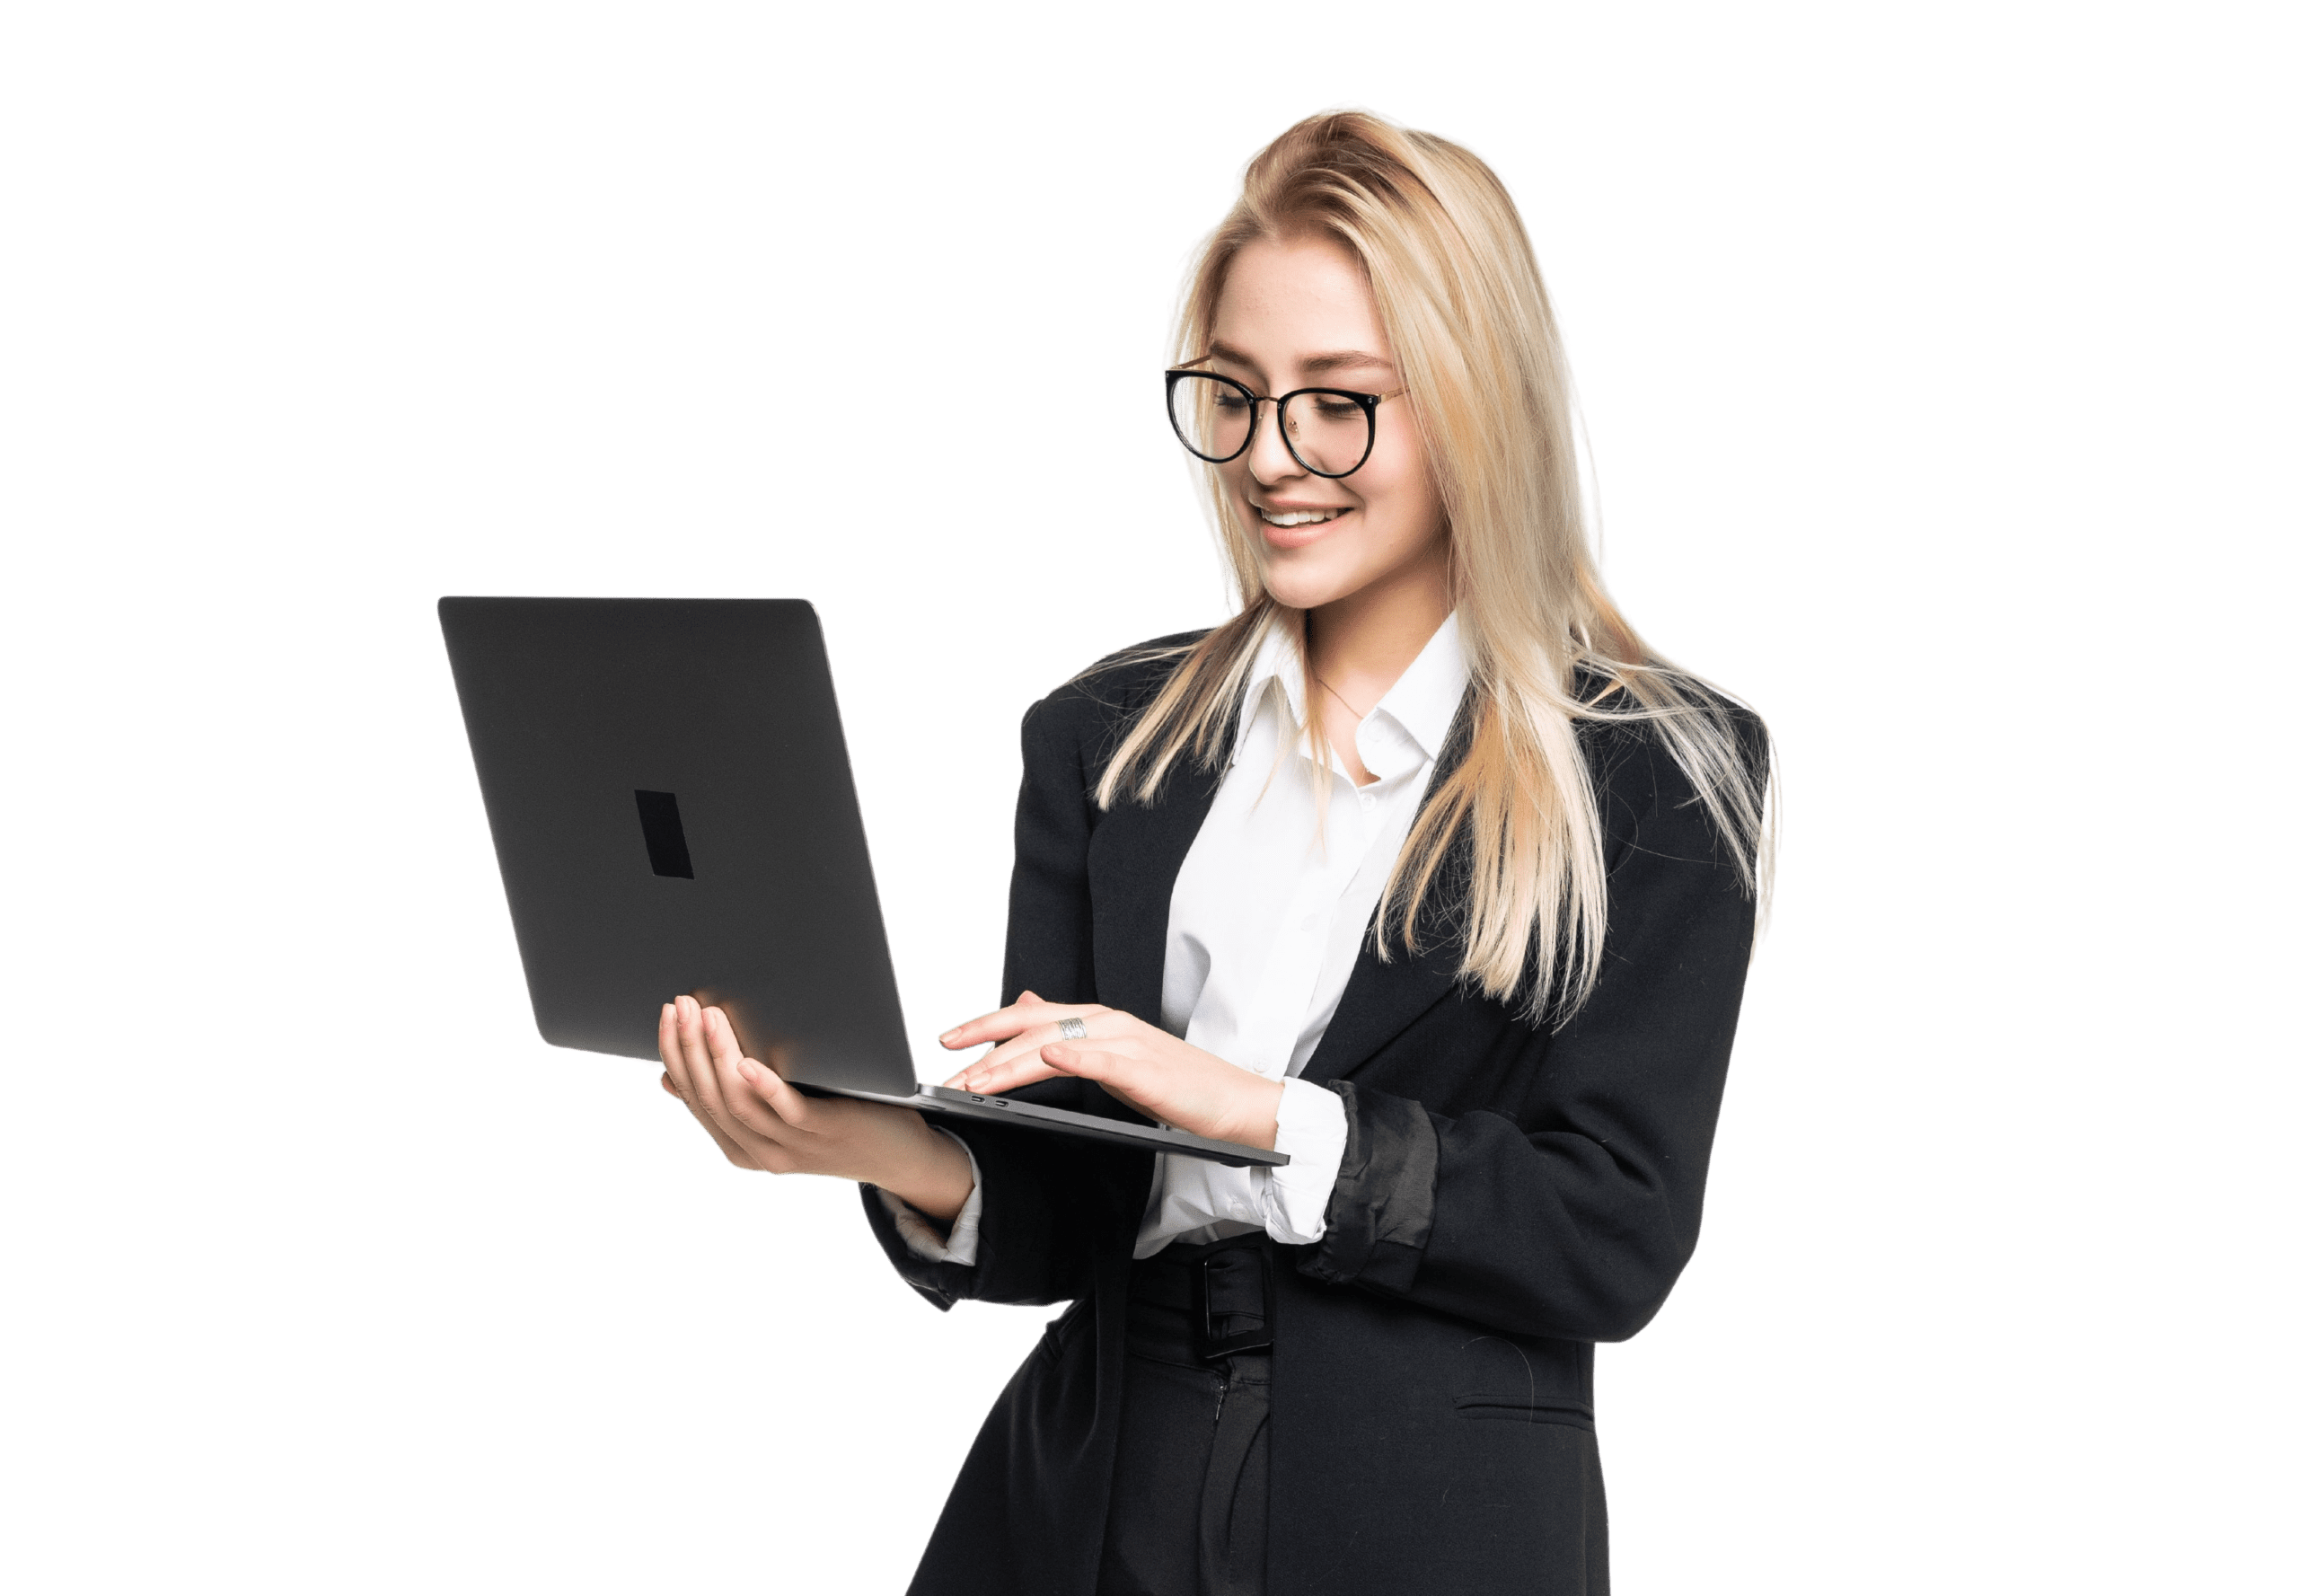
x=1152, y=1071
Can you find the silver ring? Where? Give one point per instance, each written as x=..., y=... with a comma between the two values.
x=1073, y=1028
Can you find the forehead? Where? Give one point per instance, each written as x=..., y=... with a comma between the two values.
x=1285, y=299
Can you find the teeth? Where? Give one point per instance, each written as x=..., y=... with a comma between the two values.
x=1297, y=517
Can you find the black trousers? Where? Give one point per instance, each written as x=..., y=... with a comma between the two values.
x=1189, y=1504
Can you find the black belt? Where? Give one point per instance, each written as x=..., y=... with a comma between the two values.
x=1223, y=1287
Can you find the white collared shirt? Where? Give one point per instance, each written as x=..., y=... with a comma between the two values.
x=1267, y=916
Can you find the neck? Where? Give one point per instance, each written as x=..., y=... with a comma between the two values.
x=1361, y=644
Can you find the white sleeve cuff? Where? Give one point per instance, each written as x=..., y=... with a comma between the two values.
x=1313, y=1130
x=966, y=1231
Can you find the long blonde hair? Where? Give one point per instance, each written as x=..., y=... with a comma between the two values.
x=1456, y=287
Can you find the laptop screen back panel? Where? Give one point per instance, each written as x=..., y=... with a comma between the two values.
x=673, y=810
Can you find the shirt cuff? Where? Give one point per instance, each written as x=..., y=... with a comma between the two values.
x=966, y=1231
x=1313, y=1130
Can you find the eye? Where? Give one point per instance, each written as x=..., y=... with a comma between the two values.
x=1335, y=407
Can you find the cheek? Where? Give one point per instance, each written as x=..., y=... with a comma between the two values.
x=1406, y=508
x=1402, y=496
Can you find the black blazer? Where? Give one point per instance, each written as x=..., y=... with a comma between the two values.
x=1510, y=1192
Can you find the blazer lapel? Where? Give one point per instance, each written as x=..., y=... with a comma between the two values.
x=1131, y=863
x=1378, y=1003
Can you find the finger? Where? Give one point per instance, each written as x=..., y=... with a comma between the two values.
x=678, y=1055
x=1022, y=1045
x=792, y=1107
x=1037, y=1064
x=1011, y=1076
x=778, y=1143
x=1104, y=1026
x=719, y=1070
x=755, y=1100
x=700, y=1056
x=735, y=1109
x=674, y=1051
x=994, y=1026
x=962, y=1034
x=677, y=1080
x=1027, y=1010
x=701, y=1079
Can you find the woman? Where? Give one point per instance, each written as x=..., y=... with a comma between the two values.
x=1422, y=870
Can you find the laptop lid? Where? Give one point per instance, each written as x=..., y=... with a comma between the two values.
x=673, y=812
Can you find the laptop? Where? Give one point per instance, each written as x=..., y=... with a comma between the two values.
x=667, y=786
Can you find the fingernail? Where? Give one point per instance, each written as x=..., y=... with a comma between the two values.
x=945, y=1037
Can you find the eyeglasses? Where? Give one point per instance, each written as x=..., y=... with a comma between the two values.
x=1329, y=430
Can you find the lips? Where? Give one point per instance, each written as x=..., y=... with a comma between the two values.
x=1291, y=526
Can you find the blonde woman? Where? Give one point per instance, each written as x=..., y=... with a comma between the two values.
x=1422, y=869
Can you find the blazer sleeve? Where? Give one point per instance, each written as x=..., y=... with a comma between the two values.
x=1573, y=1216
x=1043, y=1196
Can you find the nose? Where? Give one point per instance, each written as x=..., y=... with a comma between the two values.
x=1269, y=459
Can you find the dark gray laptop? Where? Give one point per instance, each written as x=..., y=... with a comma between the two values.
x=667, y=786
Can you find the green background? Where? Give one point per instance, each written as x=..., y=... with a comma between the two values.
x=1932, y=368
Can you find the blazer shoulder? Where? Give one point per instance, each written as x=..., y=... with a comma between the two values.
x=1642, y=788
x=1097, y=700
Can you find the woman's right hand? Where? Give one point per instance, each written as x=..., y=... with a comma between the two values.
x=759, y=1121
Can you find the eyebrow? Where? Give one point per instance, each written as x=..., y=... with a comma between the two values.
x=1315, y=365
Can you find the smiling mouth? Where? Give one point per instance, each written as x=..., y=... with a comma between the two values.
x=1299, y=517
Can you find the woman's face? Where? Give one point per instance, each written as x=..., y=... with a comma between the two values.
x=1298, y=312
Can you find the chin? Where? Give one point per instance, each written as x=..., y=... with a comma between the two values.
x=1297, y=593
x=1305, y=585
x=1313, y=599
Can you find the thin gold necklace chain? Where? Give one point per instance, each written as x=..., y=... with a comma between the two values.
x=1329, y=687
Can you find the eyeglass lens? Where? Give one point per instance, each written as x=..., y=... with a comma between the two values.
x=1329, y=432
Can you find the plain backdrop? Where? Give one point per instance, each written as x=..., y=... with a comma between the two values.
x=1937, y=366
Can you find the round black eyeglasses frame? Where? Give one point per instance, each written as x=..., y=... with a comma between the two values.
x=1367, y=402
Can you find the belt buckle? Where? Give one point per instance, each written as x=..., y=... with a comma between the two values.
x=1210, y=1346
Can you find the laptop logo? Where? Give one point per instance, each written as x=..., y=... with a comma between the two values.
x=658, y=817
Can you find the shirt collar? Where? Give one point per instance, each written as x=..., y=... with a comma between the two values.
x=1426, y=698
x=1422, y=701
x=1278, y=660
